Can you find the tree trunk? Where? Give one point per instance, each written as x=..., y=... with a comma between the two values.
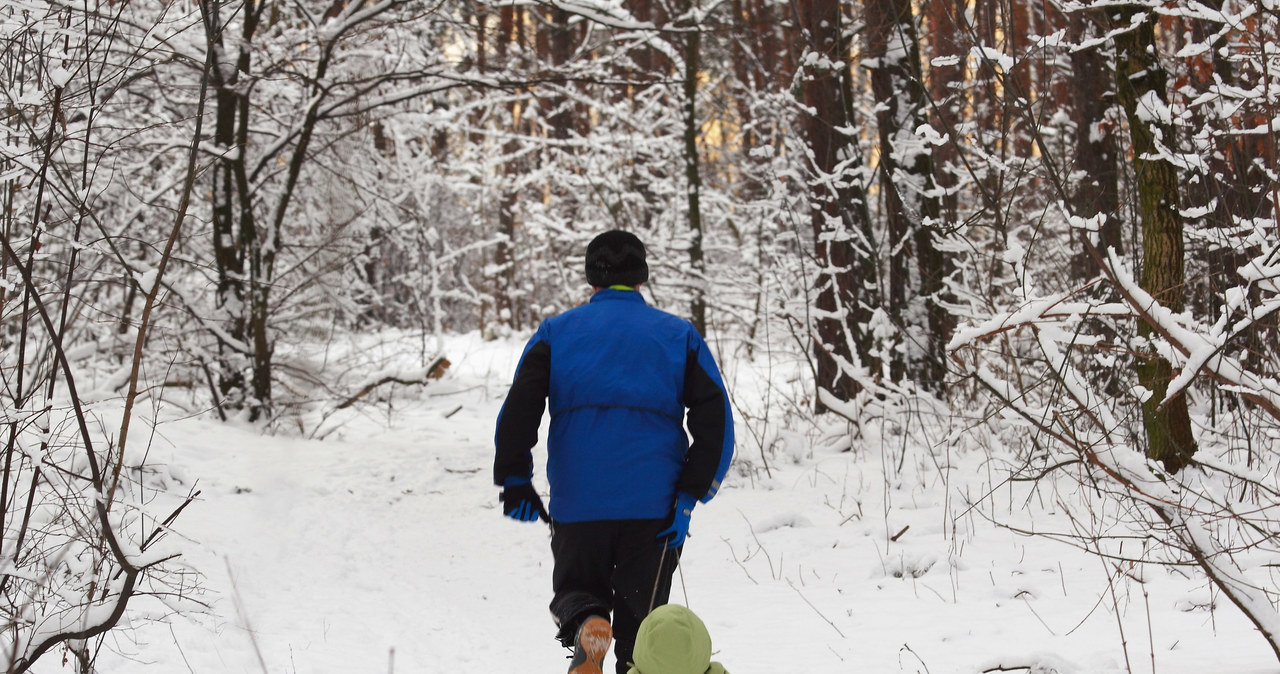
x=693, y=188
x=506, y=312
x=912, y=207
x=1098, y=191
x=1140, y=83
x=1017, y=32
x=650, y=67
x=234, y=225
x=561, y=48
x=1234, y=186
x=650, y=64
x=844, y=250
x=945, y=30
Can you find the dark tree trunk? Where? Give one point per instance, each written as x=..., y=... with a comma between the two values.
x=505, y=310
x=843, y=248
x=1139, y=75
x=693, y=180
x=912, y=208
x=651, y=64
x=1235, y=187
x=563, y=119
x=945, y=34
x=1096, y=156
x=235, y=228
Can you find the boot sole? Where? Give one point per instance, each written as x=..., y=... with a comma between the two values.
x=594, y=638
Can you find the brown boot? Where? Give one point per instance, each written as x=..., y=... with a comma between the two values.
x=590, y=646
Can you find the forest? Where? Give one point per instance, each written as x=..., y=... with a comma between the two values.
x=1054, y=222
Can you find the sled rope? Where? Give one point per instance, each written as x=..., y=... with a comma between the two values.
x=683, y=589
x=653, y=597
x=657, y=580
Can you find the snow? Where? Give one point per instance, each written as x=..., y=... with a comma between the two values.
x=59, y=76
x=931, y=136
x=993, y=56
x=1192, y=349
x=1152, y=108
x=382, y=549
x=147, y=280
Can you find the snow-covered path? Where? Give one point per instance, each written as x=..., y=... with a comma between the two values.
x=382, y=549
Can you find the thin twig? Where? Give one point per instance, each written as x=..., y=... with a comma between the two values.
x=815, y=609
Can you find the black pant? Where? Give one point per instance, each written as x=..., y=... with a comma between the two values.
x=612, y=566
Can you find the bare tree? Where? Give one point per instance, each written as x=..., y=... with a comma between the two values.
x=912, y=208
x=1095, y=161
x=846, y=251
x=693, y=177
x=289, y=89
x=1128, y=448
x=1141, y=88
x=80, y=544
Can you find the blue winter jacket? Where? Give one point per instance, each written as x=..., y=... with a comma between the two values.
x=619, y=376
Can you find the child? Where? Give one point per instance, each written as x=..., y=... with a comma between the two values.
x=672, y=640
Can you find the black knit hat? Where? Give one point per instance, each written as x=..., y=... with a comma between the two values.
x=616, y=258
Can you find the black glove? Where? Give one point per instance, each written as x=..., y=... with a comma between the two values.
x=521, y=502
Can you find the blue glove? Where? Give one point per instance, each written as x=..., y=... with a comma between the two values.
x=521, y=502
x=679, y=521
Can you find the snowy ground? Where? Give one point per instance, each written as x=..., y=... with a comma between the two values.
x=382, y=549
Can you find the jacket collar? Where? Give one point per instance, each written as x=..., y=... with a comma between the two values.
x=611, y=294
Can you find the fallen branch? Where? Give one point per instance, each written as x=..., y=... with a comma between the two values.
x=435, y=370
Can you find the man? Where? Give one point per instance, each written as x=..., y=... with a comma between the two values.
x=619, y=377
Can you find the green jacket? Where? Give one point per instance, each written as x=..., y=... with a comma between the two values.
x=672, y=640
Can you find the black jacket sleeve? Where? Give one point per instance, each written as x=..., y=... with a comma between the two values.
x=522, y=414
x=709, y=425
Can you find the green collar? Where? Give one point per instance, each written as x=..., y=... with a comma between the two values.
x=621, y=288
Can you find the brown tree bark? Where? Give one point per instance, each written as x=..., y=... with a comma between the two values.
x=1141, y=82
x=945, y=30
x=1235, y=186
x=563, y=117
x=1096, y=151
x=843, y=248
x=693, y=179
x=650, y=63
x=506, y=311
x=912, y=208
